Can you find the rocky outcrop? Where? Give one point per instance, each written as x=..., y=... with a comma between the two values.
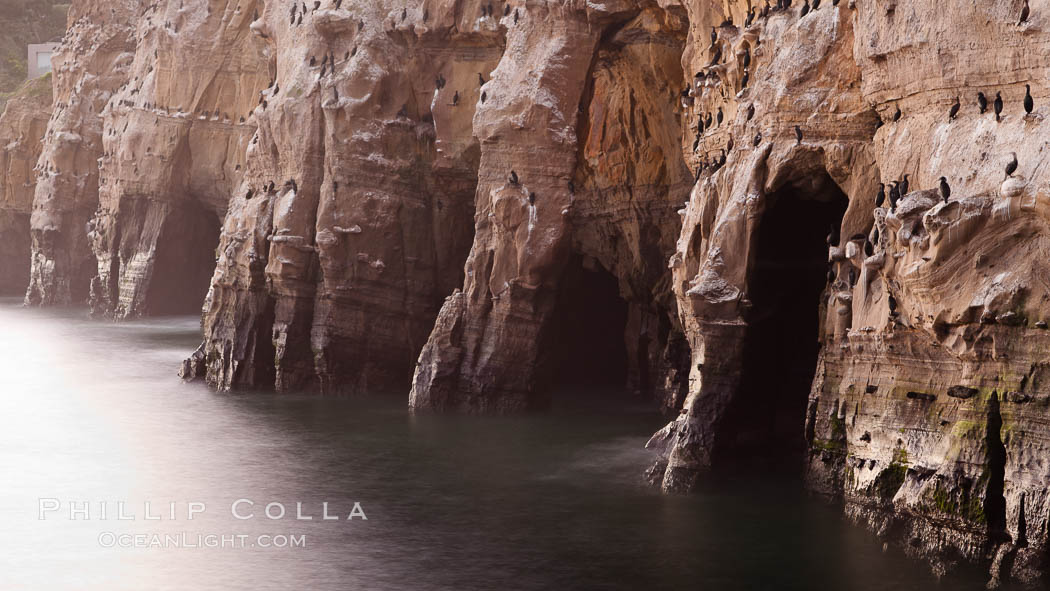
x=88, y=67
x=597, y=175
x=352, y=219
x=22, y=125
x=174, y=147
x=921, y=416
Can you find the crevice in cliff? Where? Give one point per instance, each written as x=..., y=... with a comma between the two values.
x=184, y=261
x=585, y=350
x=787, y=271
x=995, y=464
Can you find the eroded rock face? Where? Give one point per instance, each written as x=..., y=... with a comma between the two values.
x=22, y=125
x=427, y=196
x=353, y=217
x=590, y=135
x=922, y=413
x=88, y=67
x=174, y=147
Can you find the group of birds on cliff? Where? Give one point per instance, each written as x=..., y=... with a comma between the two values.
x=440, y=82
x=707, y=121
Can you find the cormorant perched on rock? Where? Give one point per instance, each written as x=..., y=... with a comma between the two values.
x=481, y=79
x=249, y=195
x=717, y=57
x=897, y=114
x=757, y=140
x=720, y=116
x=750, y=17
x=404, y=14
x=903, y=187
x=946, y=191
x=270, y=188
x=299, y=20
x=982, y=102
x=881, y=197
x=750, y=111
x=954, y=110
x=513, y=178
x=746, y=79
x=532, y=198
x=707, y=121
x=805, y=9
x=455, y=99
x=1024, y=13
x=292, y=185
x=696, y=142
x=998, y=105
x=714, y=36
x=1029, y=104
x=895, y=195
x=798, y=135
x=515, y=16
x=1011, y=166
x=729, y=144
x=746, y=61
x=816, y=4
x=506, y=10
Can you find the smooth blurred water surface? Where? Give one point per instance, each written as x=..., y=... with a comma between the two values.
x=93, y=410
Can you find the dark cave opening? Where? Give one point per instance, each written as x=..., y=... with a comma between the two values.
x=184, y=261
x=787, y=276
x=584, y=351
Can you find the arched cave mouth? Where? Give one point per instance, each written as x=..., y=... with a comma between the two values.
x=184, y=261
x=787, y=277
x=584, y=354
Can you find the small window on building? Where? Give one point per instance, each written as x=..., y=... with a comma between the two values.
x=43, y=62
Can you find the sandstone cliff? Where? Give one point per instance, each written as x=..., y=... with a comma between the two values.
x=22, y=125
x=453, y=198
x=88, y=67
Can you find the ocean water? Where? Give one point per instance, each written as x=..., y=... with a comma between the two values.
x=93, y=412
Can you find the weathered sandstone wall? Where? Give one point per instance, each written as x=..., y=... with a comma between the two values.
x=22, y=125
x=426, y=196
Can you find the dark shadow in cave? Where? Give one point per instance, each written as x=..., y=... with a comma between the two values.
x=787, y=276
x=584, y=353
x=184, y=261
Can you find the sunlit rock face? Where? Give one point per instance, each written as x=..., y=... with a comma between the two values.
x=22, y=125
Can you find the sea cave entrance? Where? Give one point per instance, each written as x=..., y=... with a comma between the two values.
x=184, y=261
x=787, y=276
x=584, y=354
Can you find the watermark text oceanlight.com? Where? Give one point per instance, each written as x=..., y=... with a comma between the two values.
x=185, y=540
